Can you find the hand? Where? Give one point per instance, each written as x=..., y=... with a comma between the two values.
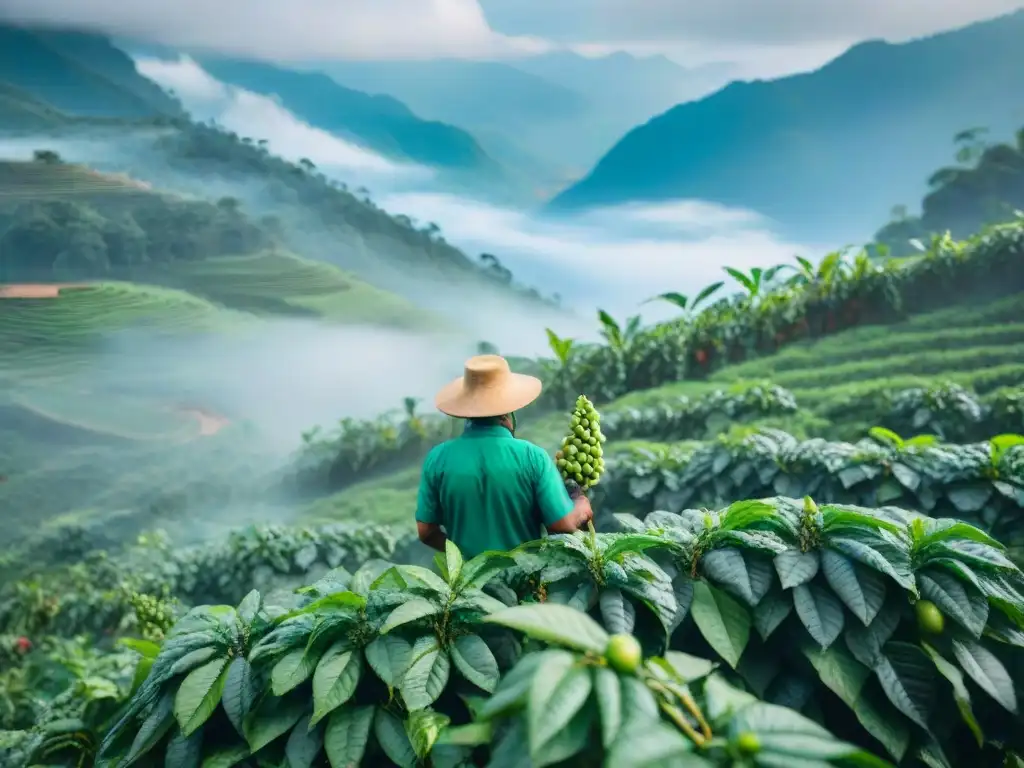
x=585, y=511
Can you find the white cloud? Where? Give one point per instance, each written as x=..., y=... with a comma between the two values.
x=293, y=30
x=260, y=117
x=615, y=258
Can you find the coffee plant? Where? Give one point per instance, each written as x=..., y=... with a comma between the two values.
x=982, y=483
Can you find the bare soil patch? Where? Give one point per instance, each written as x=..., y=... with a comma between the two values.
x=35, y=290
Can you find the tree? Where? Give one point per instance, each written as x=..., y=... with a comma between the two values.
x=46, y=156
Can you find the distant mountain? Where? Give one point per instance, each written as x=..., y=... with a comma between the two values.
x=78, y=73
x=560, y=111
x=826, y=154
x=380, y=123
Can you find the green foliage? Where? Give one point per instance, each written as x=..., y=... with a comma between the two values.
x=850, y=293
x=981, y=482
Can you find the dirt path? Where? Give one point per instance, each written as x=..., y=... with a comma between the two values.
x=35, y=290
x=209, y=423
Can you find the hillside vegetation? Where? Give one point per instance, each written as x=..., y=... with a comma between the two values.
x=875, y=121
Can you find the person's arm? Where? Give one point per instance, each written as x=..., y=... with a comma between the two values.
x=559, y=513
x=428, y=508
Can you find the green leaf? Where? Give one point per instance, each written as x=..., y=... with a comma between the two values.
x=184, y=752
x=226, y=757
x=425, y=577
x=559, y=690
x=961, y=602
x=514, y=686
x=861, y=589
x=795, y=567
x=475, y=661
x=960, y=692
x=609, y=704
x=723, y=621
x=346, y=736
x=845, y=677
x=453, y=561
x=304, y=744
x=907, y=676
x=336, y=678
x=785, y=733
x=391, y=736
x=866, y=643
x=987, y=671
x=389, y=656
x=689, y=668
x=146, y=648
x=153, y=728
x=652, y=744
x=423, y=728
x=273, y=718
x=617, y=611
x=554, y=624
x=249, y=607
x=771, y=612
x=406, y=613
x=200, y=694
x=291, y=670
x=476, y=573
x=569, y=741
x=820, y=613
x=239, y=694
x=883, y=556
x=469, y=735
x=428, y=674
x=748, y=580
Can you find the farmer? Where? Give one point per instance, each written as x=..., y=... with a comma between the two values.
x=487, y=489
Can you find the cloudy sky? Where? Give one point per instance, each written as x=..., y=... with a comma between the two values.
x=691, y=31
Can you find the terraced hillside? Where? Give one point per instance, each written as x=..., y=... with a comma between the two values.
x=21, y=180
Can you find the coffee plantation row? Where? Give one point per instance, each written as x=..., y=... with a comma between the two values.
x=769, y=633
x=946, y=410
x=981, y=482
x=815, y=302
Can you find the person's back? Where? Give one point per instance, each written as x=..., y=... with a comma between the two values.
x=487, y=489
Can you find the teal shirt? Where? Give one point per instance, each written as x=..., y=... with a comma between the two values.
x=490, y=490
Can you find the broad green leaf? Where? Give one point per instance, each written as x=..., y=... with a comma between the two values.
x=346, y=736
x=785, y=733
x=907, y=676
x=200, y=694
x=987, y=671
x=961, y=602
x=153, y=728
x=723, y=622
x=795, y=567
x=476, y=573
x=845, y=677
x=570, y=740
x=722, y=699
x=514, y=687
x=554, y=624
x=226, y=757
x=861, y=589
x=475, y=661
x=878, y=554
x=146, y=648
x=617, y=612
x=406, y=613
x=771, y=612
x=652, y=744
x=609, y=704
x=391, y=735
x=428, y=674
x=559, y=690
x=470, y=735
x=745, y=577
x=291, y=670
x=249, y=607
x=239, y=694
x=335, y=679
x=184, y=751
x=960, y=692
x=689, y=668
x=866, y=643
x=423, y=728
x=820, y=613
x=425, y=577
x=453, y=561
x=389, y=656
x=304, y=744
x=273, y=718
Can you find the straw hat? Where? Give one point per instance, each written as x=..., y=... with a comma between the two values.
x=488, y=388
